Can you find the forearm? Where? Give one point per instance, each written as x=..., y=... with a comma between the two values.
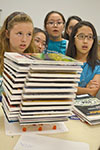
x=86, y=90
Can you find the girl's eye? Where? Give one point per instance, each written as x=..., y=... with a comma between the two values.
x=36, y=40
x=19, y=33
x=29, y=34
x=44, y=44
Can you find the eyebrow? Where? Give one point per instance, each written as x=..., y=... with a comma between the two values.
x=55, y=20
x=39, y=39
x=86, y=34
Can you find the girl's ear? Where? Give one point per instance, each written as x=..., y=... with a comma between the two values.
x=7, y=34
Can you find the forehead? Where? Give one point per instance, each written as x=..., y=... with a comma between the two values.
x=85, y=30
x=23, y=26
x=40, y=35
x=55, y=16
x=73, y=22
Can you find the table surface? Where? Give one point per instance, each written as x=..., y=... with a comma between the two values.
x=78, y=131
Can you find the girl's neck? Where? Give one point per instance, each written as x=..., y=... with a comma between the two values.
x=81, y=57
x=56, y=38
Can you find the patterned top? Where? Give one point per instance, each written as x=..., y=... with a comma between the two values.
x=57, y=46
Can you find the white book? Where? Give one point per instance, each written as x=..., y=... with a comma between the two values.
x=48, y=90
x=10, y=101
x=12, y=90
x=48, y=75
x=10, y=107
x=45, y=112
x=11, y=96
x=55, y=68
x=48, y=96
x=10, y=118
x=18, y=58
x=43, y=116
x=16, y=79
x=9, y=113
x=22, y=107
x=14, y=72
x=17, y=67
x=46, y=102
x=39, y=84
x=41, y=79
x=42, y=120
x=12, y=83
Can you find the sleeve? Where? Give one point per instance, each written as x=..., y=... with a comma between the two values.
x=97, y=70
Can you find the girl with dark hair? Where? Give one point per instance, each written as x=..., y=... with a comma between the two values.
x=54, y=24
x=83, y=47
x=40, y=39
x=71, y=22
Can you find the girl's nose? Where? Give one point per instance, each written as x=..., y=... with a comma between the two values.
x=24, y=38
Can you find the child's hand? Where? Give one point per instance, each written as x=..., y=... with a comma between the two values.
x=93, y=84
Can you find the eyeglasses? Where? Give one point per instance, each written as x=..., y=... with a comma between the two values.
x=82, y=36
x=52, y=23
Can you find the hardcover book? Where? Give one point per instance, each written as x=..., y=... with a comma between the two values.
x=88, y=109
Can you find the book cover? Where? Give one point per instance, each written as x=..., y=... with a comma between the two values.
x=88, y=108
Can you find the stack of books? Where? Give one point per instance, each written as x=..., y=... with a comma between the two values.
x=87, y=108
x=39, y=88
x=16, y=67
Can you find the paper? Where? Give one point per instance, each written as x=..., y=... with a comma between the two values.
x=17, y=129
x=37, y=142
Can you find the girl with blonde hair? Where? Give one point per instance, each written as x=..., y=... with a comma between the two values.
x=16, y=35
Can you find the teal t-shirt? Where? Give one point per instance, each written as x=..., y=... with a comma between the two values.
x=87, y=74
x=57, y=46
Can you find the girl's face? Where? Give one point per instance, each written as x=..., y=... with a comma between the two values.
x=55, y=26
x=72, y=23
x=84, y=40
x=20, y=37
x=40, y=41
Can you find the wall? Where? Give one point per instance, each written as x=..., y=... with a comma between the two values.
x=86, y=9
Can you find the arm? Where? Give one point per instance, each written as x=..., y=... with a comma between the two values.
x=92, y=87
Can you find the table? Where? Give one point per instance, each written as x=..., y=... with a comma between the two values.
x=78, y=131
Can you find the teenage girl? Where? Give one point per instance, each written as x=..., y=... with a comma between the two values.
x=16, y=35
x=40, y=39
x=54, y=24
x=71, y=22
x=83, y=47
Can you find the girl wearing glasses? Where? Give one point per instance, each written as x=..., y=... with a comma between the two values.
x=71, y=22
x=54, y=23
x=40, y=39
x=83, y=47
x=16, y=35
